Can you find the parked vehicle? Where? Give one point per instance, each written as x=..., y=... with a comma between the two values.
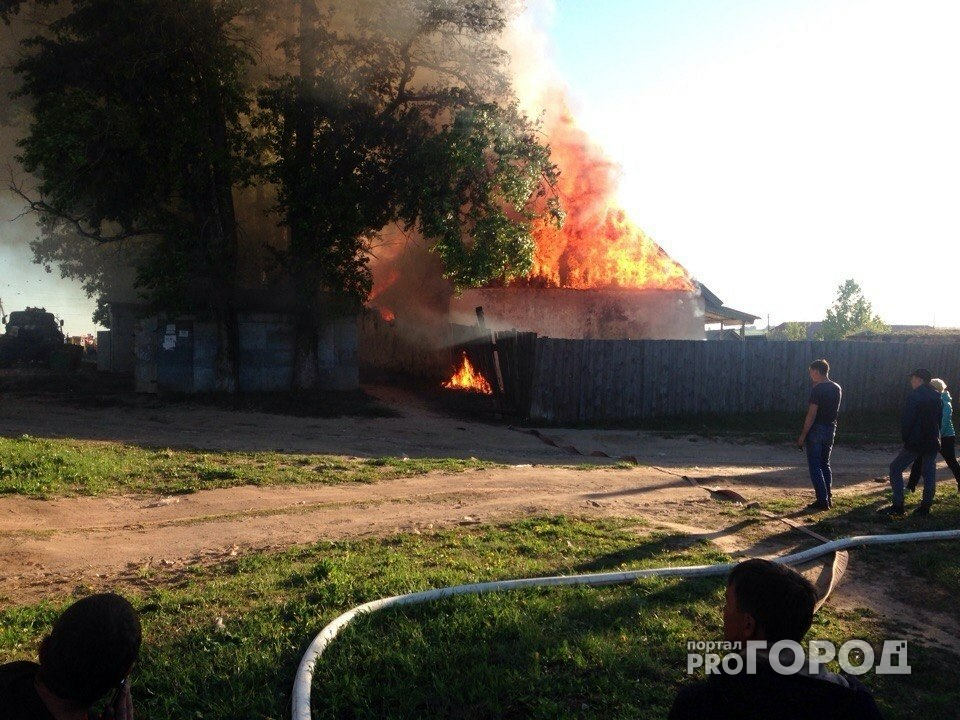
x=34, y=336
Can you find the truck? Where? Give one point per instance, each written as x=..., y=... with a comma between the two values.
x=32, y=335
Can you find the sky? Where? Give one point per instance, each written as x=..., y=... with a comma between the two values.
x=775, y=148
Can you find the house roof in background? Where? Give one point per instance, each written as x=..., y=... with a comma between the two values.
x=716, y=312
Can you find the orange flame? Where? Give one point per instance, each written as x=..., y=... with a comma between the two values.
x=598, y=245
x=466, y=378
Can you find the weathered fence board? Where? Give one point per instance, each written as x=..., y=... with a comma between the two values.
x=584, y=381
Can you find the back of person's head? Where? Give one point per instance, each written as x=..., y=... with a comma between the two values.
x=821, y=366
x=91, y=648
x=780, y=600
x=938, y=385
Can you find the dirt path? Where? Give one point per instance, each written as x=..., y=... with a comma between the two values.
x=47, y=545
x=49, y=548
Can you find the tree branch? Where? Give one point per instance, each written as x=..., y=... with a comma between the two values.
x=44, y=209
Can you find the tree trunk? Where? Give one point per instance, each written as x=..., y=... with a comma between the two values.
x=306, y=371
x=225, y=246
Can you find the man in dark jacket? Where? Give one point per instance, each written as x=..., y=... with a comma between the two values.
x=771, y=602
x=920, y=429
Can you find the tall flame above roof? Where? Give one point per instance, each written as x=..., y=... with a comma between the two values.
x=598, y=245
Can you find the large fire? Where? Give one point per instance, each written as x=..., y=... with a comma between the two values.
x=467, y=378
x=598, y=245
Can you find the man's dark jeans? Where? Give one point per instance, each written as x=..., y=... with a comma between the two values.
x=904, y=460
x=819, y=447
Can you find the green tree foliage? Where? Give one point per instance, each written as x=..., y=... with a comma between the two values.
x=849, y=314
x=138, y=134
x=793, y=331
x=400, y=114
x=404, y=113
x=380, y=113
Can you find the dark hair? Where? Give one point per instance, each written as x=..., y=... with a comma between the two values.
x=923, y=374
x=821, y=366
x=780, y=599
x=91, y=648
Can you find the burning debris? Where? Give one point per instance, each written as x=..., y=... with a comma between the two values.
x=466, y=378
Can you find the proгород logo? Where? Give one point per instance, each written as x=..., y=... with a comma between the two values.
x=788, y=657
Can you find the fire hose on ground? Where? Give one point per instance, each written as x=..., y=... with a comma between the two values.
x=300, y=704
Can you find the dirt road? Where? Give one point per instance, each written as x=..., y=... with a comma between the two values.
x=48, y=547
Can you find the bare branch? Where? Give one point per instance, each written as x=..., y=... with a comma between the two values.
x=44, y=209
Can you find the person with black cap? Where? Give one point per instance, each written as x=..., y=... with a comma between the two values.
x=920, y=429
x=88, y=653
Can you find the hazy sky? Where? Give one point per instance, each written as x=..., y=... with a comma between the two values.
x=774, y=148
x=778, y=148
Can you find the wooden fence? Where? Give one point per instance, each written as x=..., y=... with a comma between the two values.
x=575, y=381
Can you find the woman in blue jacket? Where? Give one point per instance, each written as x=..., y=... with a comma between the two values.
x=948, y=438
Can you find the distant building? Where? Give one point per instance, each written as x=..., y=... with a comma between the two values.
x=748, y=333
x=813, y=329
x=909, y=334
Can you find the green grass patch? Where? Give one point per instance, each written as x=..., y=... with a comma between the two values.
x=44, y=468
x=924, y=574
x=854, y=429
x=857, y=514
x=617, y=651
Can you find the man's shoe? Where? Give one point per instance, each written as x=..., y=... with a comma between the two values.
x=922, y=510
x=891, y=510
x=817, y=506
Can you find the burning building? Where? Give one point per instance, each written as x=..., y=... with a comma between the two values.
x=599, y=276
x=602, y=314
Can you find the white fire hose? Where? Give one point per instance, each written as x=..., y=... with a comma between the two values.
x=304, y=678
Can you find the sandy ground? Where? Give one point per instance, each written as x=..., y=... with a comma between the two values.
x=49, y=548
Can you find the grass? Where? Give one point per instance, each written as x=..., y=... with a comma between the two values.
x=44, y=468
x=612, y=652
x=854, y=429
x=927, y=575
x=922, y=575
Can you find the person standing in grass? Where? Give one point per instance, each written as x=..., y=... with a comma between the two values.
x=948, y=437
x=819, y=431
x=88, y=654
x=920, y=429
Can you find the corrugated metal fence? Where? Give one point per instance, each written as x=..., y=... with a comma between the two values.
x=614, y=380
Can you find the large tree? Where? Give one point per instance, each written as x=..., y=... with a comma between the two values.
x=378, y=113
x=849, y=314
x=138, y=134
x=400, y=113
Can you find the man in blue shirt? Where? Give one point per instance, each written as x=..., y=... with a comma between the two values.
x=819, y=430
